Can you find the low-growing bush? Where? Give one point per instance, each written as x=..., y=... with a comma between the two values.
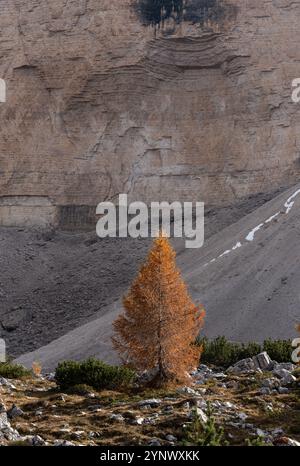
x=224, y=353
x=256, y=442
x=94, y=373
x=13, y=371
x=279, y=350
x=80, y=389
x=204, y=434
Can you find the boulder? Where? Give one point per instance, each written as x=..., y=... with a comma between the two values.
x=285, y=376
x=262, y=361
x=15, y=412
x=259, y=363
x=243, y=366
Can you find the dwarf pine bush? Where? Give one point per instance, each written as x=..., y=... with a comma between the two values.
x=13, y=371
x=93, y=373
x=204, y=434
x=224, y=353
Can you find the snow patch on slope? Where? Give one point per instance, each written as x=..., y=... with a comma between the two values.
x=251, y=235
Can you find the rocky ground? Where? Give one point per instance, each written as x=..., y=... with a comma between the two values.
x=256, y=400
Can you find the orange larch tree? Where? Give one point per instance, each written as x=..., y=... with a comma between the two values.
x=160, y=322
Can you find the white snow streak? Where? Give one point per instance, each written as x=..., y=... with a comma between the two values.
x=289, y=203
x=272, y=218
x=250, y=237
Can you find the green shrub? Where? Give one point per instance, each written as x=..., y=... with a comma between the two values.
x=224, y=353
x=80, y=389
x=13, y=371
x=279, y=350
x=157, y=11
x=256, y=442
x=93, y=373
x=204, y=434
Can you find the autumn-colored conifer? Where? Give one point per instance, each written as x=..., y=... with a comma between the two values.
x=160, y=322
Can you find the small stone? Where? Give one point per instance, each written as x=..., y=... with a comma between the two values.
x=15, y=412
x=200, y=381
x=2, y=408
x=277, y=432
x=270, y=383
x=168, y=408
x=117, y=417
x=217, y=404
x=154, y=443
x=63, y=443
x=139, y=421
x=283, y=390
x=3, y=420
x=200, y=413
x=261, y=433
x=5, y=383
x=150, y=420
x=171, y=438
x=93, y=434
x=219, y=375
x=78, y=434
x=249, y=426
x=202, y=391
x=35, y=440
x=269, y=408
x=200, y=403
x=187, y=391
x=229, y=405
x=153, y=402
x=65, y=430
x=205, y=368
x=242, y=416
x=265, y=391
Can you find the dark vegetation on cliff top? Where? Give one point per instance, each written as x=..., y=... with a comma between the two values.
x=155, y=12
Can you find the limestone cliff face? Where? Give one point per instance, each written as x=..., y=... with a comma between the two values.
x=99, y=102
